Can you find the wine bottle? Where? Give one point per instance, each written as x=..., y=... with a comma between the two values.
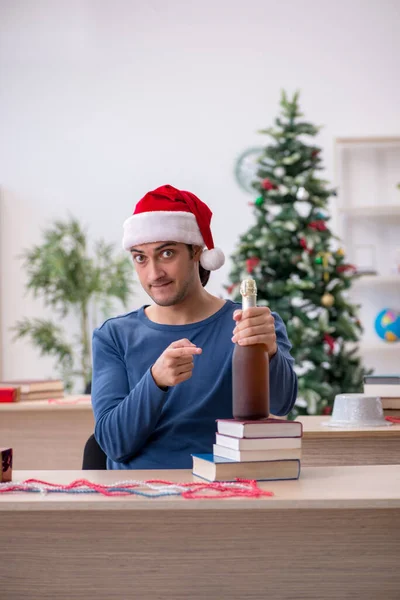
x=250, y=370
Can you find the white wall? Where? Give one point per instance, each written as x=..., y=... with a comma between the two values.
x=102, y=100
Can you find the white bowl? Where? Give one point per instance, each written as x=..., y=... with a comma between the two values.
x=357, y=410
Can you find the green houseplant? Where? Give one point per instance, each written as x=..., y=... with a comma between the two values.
x=73, y=283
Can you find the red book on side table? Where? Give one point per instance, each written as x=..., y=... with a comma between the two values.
x=9, y=394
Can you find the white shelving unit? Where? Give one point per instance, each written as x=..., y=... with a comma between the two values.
x=368, y=178
x=378, y=280
x=384, y=211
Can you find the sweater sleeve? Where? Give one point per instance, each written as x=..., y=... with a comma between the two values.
x=124, y=418
x=283, y=379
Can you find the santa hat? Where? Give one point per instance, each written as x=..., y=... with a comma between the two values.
x=168, y=214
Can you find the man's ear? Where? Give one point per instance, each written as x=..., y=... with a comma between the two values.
x=197, y=251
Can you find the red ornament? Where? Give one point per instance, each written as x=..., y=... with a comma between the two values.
x=314, y=153
x=318, y=225
x=230, y=288
x=303, y=244
x=267, y=184
x=251, y=263
x=327, y=410
x=344, y=268
x=328, y=339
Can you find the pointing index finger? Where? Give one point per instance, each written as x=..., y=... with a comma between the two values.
x=182, y=343
x=185, y=351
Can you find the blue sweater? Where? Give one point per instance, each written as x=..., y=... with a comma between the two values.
x=140, y=426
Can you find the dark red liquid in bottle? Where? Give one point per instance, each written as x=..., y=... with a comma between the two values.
x=250, y=372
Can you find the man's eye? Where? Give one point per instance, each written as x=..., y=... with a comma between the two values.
x=139, y=259
x=167, y=253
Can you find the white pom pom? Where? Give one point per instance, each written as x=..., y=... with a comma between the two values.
x=211, y=260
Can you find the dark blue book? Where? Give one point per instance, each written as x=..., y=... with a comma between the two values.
x=216, y=468
x=382, y=379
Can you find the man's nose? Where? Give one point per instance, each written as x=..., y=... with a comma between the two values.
x=156, y=270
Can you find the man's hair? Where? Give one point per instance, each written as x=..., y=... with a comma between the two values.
x=204, y=274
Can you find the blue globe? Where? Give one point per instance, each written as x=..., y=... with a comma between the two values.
x=387, y=325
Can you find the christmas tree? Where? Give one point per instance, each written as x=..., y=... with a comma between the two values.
x=300, y=270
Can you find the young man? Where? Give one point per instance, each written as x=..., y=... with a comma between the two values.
x=162, y=374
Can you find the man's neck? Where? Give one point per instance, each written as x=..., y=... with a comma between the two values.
x=192, y=309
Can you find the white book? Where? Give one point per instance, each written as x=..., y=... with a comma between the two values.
x=382, y=390
x=265, y=428
x=256, y=455
x=257, y=443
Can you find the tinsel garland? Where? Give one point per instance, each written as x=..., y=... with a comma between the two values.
x=156, y=488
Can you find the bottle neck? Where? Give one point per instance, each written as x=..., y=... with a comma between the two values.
x=249, y=302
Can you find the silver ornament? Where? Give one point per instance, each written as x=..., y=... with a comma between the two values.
x=279, y=172
x=289, y=226
x=302, y=194
x=302, y=208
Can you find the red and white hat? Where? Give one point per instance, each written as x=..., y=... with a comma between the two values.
x=168, y=214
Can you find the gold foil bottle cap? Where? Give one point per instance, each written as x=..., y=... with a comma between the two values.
x=248, y=287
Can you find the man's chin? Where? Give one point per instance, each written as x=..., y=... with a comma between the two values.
x=165, y=301
x=162, y=299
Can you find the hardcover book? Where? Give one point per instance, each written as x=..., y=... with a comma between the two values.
x=277, y=443
x=263, y=428
x=216, y=468
x=255, y=455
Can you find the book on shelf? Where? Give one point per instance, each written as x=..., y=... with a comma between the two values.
x=390, y=390
x=35, y=389
x=29, y=386
x=390, y=403
x=42, y=395
x=216, y=468
x=392, y=412
x=256, y=455
x=276, y=443
x=9, y=394
x=263, y=428
x=382, y=379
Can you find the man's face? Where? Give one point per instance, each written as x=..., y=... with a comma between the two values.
x=166, y=271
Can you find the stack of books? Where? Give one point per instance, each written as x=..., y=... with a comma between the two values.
x=387, y=388
x=31, y=389
x=264, y=450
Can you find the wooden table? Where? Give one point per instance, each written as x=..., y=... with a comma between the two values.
x=47, y=435
x=323, y=445
x=333, y=534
